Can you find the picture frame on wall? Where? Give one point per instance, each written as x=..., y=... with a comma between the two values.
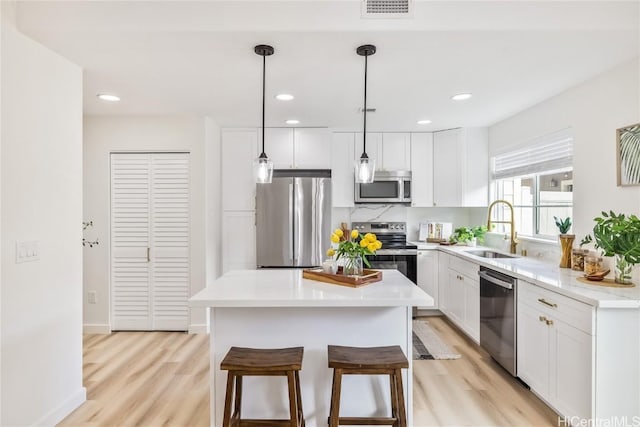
x=628, y=155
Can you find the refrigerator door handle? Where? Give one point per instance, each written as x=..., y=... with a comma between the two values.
x=291, y=208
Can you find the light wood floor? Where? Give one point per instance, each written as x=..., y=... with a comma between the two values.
x=162, y=379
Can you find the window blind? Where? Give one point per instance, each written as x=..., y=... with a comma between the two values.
x=544, y=154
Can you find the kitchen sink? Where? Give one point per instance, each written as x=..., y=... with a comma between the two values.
x=489, y=254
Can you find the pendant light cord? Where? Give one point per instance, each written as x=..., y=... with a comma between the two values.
x=364, y=133
x=264, y=67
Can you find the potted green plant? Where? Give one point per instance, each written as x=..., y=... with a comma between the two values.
x=618, y=235
x=469, y=235
x=566, y=240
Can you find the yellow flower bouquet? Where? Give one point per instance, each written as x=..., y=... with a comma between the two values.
x=353, y=249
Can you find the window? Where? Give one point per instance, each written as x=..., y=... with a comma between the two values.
x=538, y=181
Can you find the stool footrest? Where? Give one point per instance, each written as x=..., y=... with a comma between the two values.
x=264, y=423
x=361, y=421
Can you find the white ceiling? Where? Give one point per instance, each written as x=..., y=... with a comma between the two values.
x=196, y=58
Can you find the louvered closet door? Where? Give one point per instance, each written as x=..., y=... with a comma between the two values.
x=149, y=241
x=170, y=241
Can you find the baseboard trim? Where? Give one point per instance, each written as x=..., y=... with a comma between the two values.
x=93, y=328
x=428, y=312
x=198, y=328
x=61, y=412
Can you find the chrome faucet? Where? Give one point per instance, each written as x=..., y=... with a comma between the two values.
x=514, y=234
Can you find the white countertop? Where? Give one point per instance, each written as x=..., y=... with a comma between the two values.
x=287, y=288
x=552, y=277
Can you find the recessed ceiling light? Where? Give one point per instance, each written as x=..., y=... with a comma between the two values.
x=284, y=97
x=108, y=97
x=461, y=96
x=292, y=122
x=424, y=122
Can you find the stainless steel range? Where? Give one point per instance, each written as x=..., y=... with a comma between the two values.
x=396, y=252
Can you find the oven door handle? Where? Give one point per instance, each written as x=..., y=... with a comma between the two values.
x=485, y=276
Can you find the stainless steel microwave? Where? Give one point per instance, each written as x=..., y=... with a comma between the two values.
x=387, y=187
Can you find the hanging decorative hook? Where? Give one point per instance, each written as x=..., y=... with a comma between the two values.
x=86, y=242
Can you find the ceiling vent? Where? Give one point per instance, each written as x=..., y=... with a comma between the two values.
x=387, y=8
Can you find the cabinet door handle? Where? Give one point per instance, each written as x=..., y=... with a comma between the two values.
x=545, y=302
x=543, y=319
x=549, y=322
x=148, y=254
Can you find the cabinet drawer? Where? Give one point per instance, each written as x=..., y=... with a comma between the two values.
x=467, y=268
x=573, y=312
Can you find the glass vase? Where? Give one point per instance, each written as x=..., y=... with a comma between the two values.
x=352, y=266
x=622, y=270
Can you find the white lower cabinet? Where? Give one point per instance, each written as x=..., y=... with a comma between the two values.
x=428, y=275
x=455, y=298
x=533, y=350
x=571, y=379
x=443, y=282
x=462, y=295
x=555, y=349
x=472, y=307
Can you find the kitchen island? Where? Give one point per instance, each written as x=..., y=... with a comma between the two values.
x=278, y=308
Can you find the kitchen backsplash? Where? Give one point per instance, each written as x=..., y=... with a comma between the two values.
x=460, y=217
x=412, y=216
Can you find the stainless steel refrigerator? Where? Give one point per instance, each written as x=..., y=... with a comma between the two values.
x=293, y=219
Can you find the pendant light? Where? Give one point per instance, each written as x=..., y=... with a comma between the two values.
x=263, y=166
x=365, y=167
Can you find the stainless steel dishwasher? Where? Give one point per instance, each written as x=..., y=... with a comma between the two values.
x=498, y=317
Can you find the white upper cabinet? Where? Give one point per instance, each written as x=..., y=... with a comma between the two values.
x=342, y=169
x=396, y=151
x=374, y=147
x=239, y=149
x=391, y=151
x=311, y=148
x=422, y=169
x=278, y=146
x=299, y=148
x=461, y=168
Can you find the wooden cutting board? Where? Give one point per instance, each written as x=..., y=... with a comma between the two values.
x=368, y=277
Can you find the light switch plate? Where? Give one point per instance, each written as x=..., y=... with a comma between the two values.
x=27, y=251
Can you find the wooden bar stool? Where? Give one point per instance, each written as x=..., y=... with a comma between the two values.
x=241, y=362
x=368, y=361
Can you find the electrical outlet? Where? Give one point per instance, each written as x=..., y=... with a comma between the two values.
x=92, y=297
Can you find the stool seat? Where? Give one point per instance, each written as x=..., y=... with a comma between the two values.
x=368, y=361
x=243, y=361
x=263, y=359
x=391, y=357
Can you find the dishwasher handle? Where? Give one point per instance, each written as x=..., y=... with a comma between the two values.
x=489, y=278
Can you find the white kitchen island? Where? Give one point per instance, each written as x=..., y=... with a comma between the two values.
x=278, y=308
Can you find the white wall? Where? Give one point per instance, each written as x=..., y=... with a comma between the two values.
x=594, y=110
x=213, y=206
x=41, y=200
x=106, y=134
